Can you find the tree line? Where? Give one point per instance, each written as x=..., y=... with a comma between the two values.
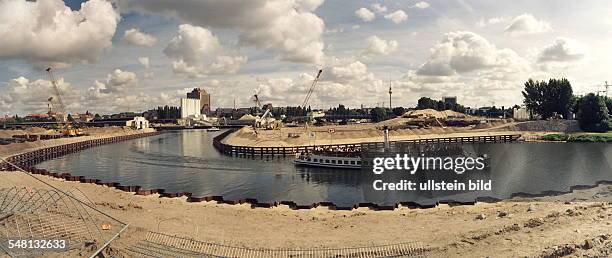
x=555, y=98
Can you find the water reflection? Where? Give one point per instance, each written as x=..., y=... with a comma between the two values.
x=186, y=161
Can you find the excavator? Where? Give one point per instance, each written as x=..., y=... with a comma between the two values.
x=266, y=121
x=65, y=126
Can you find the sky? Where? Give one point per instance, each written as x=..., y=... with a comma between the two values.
x=133, y=55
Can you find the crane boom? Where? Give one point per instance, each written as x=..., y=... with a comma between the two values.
x=58, y=95
x=65, y=125
x=312, y=87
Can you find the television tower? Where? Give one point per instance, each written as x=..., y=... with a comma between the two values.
x=390, y=92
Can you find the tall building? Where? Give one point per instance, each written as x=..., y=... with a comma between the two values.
x=190, y=108
x=450, y=100
x=203, y=96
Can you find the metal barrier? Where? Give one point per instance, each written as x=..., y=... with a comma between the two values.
x=163, y=245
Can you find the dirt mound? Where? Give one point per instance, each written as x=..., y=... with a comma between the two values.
x=424, y=113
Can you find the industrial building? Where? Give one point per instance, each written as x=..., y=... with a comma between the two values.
x=203, y=97
x=190, y=108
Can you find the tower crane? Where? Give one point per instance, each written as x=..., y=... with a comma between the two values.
x=65, y=126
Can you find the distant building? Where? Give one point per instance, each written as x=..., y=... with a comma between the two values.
x=36, y=117
x=204, y=98
x=449, y=100
x=240, y=112
x=224, y=112
x=190, y=107
x=138, y=122
x=83, y=117
x=522, y=113
x=124, y=115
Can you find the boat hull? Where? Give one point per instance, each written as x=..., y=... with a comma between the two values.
x=328, y=162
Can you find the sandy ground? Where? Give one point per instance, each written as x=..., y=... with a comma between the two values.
x=580, y=222
x=93, y=133
x=358, y=133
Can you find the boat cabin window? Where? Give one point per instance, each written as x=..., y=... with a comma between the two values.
x=346, y=162
x=352, y=162
x=326, y=161
x=316, y=160
x=359, y=162
x=333, y=161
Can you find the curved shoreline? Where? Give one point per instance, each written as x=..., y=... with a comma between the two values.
x=29, y=159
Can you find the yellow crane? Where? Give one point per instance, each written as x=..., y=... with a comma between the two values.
x=65, y=126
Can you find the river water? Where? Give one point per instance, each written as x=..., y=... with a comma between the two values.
x=185, y=161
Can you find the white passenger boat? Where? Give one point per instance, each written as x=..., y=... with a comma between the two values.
x=213, y=129
x=328, y=161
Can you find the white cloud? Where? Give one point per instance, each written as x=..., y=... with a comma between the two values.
x=562, y=50
x=144, y=61
x=195, y=51
x=365, y=14
x=397, y=16
x=192, y=44
x=378, y=46
x=379, y=8
x=492, y=21
x=32, y=96
x=135, y=37
x=527, y=24
x=295, y=35
x=422, y=5
x=464, y=52
x=287, y=28
x=148, y=75
x=227, y=64
x=118, y=81
x=350, y=72
x=47, y=32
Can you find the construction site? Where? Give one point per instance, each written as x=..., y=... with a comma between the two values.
x=318, y=128
x=97, y=218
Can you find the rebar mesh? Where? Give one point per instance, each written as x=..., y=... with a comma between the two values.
x=32, y=209
x=162, y=245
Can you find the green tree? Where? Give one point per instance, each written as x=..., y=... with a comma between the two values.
x=548, y=98
x=70, y=118
x=378, y=114
x=398, y=111
x=426, y=103
x=609, y=104
x=593, y=114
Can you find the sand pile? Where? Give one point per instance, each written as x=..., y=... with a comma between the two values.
x=431, y=113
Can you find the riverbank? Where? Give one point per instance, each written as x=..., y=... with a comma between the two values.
x=92, y=134
x=579, y=137
x=579, y=222
x=363, y=133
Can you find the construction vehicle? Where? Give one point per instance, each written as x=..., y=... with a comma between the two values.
x=266, y=120
x=65, y=126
